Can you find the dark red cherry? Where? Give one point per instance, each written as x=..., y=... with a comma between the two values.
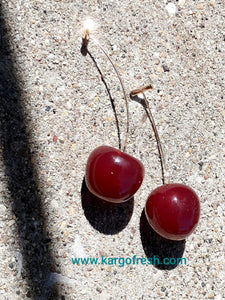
x=113, y=175
x=173, y=210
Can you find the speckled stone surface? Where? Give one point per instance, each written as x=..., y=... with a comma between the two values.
x=55, y=109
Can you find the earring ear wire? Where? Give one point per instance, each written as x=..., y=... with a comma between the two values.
x=84, y=50
x=145, y=104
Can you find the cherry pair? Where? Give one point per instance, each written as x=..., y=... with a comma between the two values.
x=171, y=209
x=111, y=174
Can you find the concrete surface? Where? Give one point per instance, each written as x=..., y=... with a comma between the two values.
x=55, y=110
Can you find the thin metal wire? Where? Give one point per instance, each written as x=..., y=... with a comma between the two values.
x=145, y=104
x=110, y=97
x=159, y=145
x=123, y=89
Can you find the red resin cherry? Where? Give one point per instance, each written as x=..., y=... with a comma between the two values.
x=173, y=211
x=113, y=175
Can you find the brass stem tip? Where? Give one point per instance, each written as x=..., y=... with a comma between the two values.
x=140, y=90
x=85, y=41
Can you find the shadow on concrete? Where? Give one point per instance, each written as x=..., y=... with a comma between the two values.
x=107, y=218
x=22, y=182
x=158, y=248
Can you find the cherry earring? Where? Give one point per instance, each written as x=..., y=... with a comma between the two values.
x=111, y=174
x=172, y=209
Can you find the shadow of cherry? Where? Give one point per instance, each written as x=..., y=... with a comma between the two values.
x=164, y=254
x=108, y=218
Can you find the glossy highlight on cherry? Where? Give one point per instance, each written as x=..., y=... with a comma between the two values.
x=113, y=175
x=173, y=211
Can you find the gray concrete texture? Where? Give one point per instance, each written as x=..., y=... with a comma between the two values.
x=55, y=109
